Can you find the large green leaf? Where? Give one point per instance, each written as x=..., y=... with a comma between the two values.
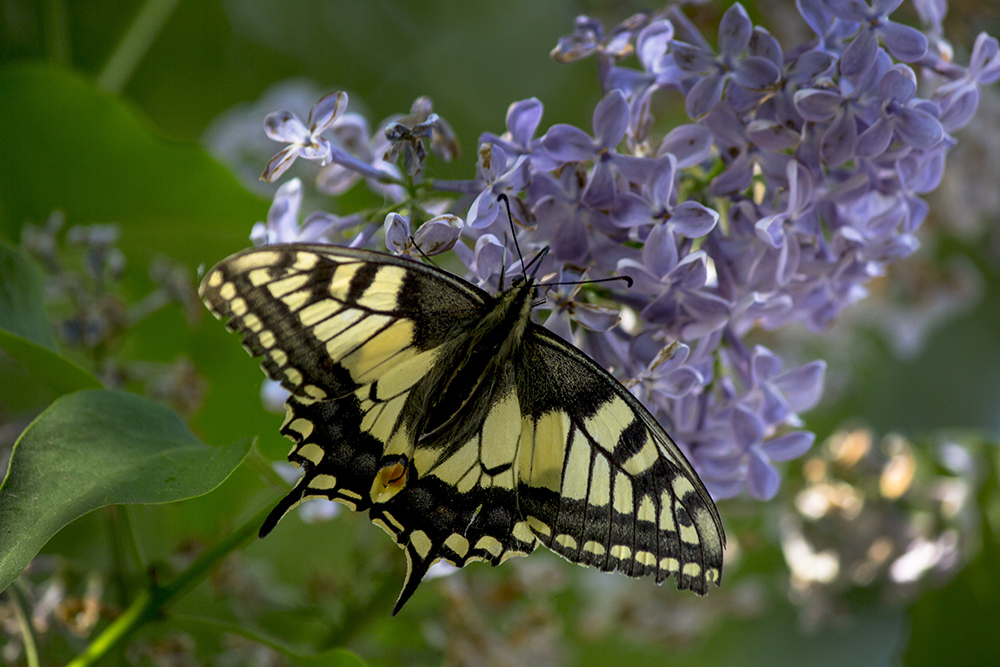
x=97, y=448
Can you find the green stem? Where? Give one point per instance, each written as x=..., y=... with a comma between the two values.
x=151, y=603
x=23, y=613
x=135, y=44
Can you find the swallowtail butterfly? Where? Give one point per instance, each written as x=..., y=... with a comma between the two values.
x=465, y=429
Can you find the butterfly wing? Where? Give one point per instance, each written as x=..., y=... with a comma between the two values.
x=600, y=482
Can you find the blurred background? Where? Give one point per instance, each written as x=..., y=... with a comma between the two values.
x=131, y=141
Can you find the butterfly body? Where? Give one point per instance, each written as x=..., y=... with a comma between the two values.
x=468, y=431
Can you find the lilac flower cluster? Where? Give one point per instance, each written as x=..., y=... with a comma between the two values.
x=798, y=179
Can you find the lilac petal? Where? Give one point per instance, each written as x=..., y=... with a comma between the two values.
x=849, y=10
x=652, y=43
x=960, y=110
x=438, y=234
x=692, y=219
x=814, y=13
x=692, y=270
x=710, y=313
x=747, y=428
x=764, y=364
x=705, y=94
x=756, y=73
x=727, y=128
x=317, y=149
x=690, y=58
x=659, y=254
x=635, y=169
x=808, y=66
x=918, y=128
x=859, y=54
x=611, y=119
x=875, y=140
x=559, y=324
x=397, y=232
x=600, y=191
x=631, y=210
x=762, y=478
x=734, y=31
x=570, y=243
x=285, y=126
x=817, y=105
x=258, y=234
x=492, y=162
x=802, y=387
x=736, y=177
x=567, y=143
x=489, y=256
x=852, y=189
x=838, y=141
x=903, y=42
x=764, y=45
x=689, y=143
x=484, y=210
x=985, y=60
x=595, y=318
x=661, y=182
x=772, y=135
x=326, y=111
x=679, y=382
x=283, y=215
x=898, y=84
x=315, y=227
x=788, y=446
x=523, y=118
x=643, y=282
x=280, y=163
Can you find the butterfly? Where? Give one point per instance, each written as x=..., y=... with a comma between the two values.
x=465, y=429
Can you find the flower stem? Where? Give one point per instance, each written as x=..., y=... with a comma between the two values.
x=151, y=603
x=135, y=44
x=22, y=610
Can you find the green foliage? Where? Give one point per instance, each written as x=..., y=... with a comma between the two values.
x=95, y=448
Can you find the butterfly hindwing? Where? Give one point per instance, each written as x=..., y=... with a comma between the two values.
x=600, y=482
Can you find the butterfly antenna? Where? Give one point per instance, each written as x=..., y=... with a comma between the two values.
x=413, y=241
x=510, y=219
x=627, y=279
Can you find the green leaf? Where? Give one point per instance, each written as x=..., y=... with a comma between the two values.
x=96, y=158
x=22, y=307
x=25, y=332
x=332, y=658
x=97, y=448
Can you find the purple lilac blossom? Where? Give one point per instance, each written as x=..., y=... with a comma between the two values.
x=799, y=178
